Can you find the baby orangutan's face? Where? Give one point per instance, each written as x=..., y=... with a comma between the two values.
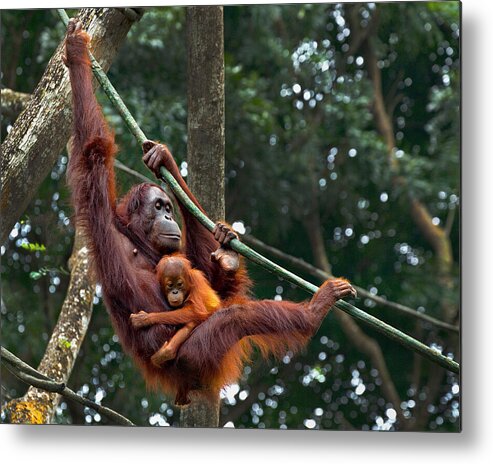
x=176, y=290
x=174, y=276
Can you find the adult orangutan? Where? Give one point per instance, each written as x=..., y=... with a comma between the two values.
x=127, y=239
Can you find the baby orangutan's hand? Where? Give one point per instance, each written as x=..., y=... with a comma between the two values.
x=140, y=320
x=227, y=258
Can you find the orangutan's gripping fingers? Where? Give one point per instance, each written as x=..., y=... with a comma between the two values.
x=72, y=23
x=344, y=292
x=347, y=290
x=340, y=283
x=342, y=289
x=140, y=320
x=230, y=235
x=149, y=154
x=75, y=31
x=217, y=230
x=74, y=26
x=147, y=145
x=222, y=238
x=160, y=159
x=332, y=290
x=158, y=156
x=155, y=155
x=223, y=234
x=154, y=161
x=76, y=40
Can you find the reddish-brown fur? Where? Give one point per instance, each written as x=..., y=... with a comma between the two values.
x=125, y=259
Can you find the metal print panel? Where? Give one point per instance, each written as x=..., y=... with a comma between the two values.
x=239, y=216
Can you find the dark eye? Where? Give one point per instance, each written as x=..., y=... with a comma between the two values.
x=158, y=204
x=168, y=208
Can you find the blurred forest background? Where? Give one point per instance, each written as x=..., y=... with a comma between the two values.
x=342, y=148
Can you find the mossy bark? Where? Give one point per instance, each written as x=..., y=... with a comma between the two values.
x=13, y=103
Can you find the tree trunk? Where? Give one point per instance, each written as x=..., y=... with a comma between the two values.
x=314, y=228
x=202, y=411
x=38, y=406
x=205, y=44
x=43, y=128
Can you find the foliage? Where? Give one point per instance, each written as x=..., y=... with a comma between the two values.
x=301, y=140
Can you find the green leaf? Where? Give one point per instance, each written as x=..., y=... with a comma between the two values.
x=31, y=247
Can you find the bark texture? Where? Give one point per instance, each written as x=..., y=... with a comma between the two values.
x=205, y=44
x=13, y=103
x=43, y=128
x=314, y=230
x=202, y=412
x=38, y=406
x=205, y=51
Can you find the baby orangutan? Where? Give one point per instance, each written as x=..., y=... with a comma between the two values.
x=188, y=292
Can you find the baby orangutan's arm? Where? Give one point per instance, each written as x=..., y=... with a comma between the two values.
x=179, y=316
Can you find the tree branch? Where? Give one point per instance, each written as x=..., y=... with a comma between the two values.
x=31, y=376
x=132, y=172
x=450, y=221
x=13, y=103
